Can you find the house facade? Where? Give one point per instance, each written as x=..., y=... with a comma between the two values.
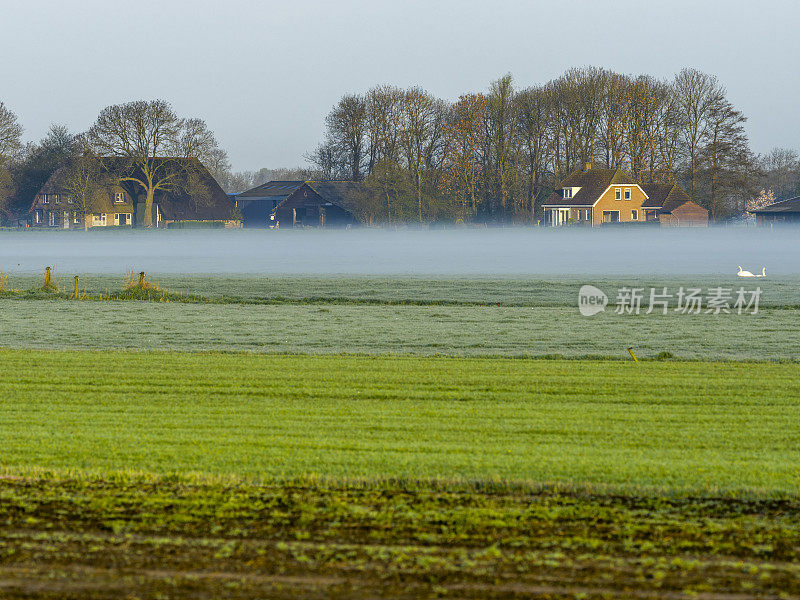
x=54, y=208
x=594, y=197
x=320, y=204
x=117, y=203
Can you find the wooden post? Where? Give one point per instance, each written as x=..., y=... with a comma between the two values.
x=47, y=278
x=76, y=288
x=141, y=279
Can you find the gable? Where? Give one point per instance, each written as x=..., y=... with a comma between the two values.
x=593, y=184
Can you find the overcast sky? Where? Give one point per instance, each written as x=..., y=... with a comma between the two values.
x=264, y=74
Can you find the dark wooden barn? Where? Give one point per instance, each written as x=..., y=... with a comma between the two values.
x=783, y=212
x=320, y=204
x=257, y=204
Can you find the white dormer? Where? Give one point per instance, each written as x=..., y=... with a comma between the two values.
x=569, y=192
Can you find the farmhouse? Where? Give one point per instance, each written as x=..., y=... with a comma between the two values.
x=320, y=204
x=783, y=212
x=593, y=197
x=257, y=204
x=115, y=202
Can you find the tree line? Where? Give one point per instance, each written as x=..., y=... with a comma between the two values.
x=490, y=157
x=495, y=156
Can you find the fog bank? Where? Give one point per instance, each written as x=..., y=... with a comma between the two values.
x=515, y=251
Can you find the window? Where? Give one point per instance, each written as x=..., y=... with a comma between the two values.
x=103, y=219
x=567, y=193
x=119, y=197
x=120, y=219
x=70, y=199
x=627, y=193
x=51, y=219
x=38, y=216
x=610, y=216
x=617, y=194
x=578, y=215
x=45, y=199
x=75, y=215
x=57, y=198
x=588, y=218
x=634, y=215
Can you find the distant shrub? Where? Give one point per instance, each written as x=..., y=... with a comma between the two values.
x=665, y=356
x=3, y=281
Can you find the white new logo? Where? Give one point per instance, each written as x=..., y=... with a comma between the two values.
x=591, y=300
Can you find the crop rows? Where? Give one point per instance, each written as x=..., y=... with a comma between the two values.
x=95, y=538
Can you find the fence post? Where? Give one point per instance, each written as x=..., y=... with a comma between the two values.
x=141, y=279
x=76, y=287
x=47, y=277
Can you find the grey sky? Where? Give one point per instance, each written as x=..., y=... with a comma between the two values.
x=265, y=74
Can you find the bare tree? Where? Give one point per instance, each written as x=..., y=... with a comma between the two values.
x=501, y=138
x=696, y=94
x=326, y=157
x=781, y=172
x=465, y=141
x=614, y=99
x=533, y=123
x=347, y=131
x=148, y=136
x=10, y=134
x=83, y=182
x=383, y=118
x=725, y=151
x=423, y=119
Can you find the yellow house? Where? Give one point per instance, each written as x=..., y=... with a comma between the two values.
x=593, y=197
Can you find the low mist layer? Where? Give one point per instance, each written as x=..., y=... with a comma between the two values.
x=370, y=252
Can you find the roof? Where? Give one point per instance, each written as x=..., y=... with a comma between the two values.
x=666, y=196
x=592, y=182
x=344, y=194
x=205, y=201
x=790, y=205
x=272, y=188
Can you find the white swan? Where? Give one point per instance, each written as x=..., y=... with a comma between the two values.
x=741, y=273
x=763, y=272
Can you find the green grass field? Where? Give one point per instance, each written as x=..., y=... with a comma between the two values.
x=702, y=427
